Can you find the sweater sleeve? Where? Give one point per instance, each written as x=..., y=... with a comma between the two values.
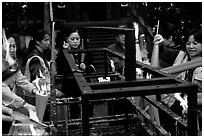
x=23, y=82
x=9, y=98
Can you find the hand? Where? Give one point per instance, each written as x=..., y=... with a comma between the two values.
x=30, y=107
x=158, y=39
x=112, y=65
x=7, y=114
x=184, y=105
x=59, y=93
x=82, y=66
x=34, y=91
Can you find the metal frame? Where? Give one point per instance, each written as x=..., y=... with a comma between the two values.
x=162, y=83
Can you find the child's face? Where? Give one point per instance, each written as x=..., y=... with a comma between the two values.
x=74, y=40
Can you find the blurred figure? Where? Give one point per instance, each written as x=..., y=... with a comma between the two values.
x=117, y=64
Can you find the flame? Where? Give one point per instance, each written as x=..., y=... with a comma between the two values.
x=40, y=83
x=5, y=49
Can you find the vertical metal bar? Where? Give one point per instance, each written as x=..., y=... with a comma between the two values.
x=53, y=112
x=192, y=112
x=105, y=63
x=130, y=73
x=85, y=116
x=66, y=116
x=85, y=38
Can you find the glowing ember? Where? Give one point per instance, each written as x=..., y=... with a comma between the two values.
x=5, y=49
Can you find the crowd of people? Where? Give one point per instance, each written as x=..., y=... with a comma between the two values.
x=18, y=90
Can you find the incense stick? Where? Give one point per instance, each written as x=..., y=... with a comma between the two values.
x=157, y=27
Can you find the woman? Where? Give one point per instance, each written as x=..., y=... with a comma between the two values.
x=178, y=102
x=193, y=52
x=12, y=78
x=73, y=42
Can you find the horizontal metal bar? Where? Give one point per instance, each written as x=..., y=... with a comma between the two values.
x=139, y=91
x=87, y=50
x=133, y=83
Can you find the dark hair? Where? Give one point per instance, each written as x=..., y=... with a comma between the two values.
x=39, y=36
x=72, y=30
x=167, y=29
x=116, y=33
x=9, y=35
x=197, y=33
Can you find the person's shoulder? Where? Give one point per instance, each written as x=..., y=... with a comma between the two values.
x=113, y=46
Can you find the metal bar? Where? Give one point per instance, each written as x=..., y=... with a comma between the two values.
x=87, y=50
x=89, y=94
x=105, y=63
x=65, y=25
x=138, y=91
x=146, y=117
x=130, y=54
x=192, y=112
x=53, y=109
x=85, y=116
x=134, y=83
x=166, y=110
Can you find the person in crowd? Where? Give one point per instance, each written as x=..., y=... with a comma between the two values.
x=193, y=51
x=20, y=81
x=73, y=41
x=12, y=77
x=178, y=102
x=37, y=64
x=117, y=64
x=168, y=50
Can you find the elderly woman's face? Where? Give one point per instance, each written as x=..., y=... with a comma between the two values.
x=193, y=47
x=74, y=40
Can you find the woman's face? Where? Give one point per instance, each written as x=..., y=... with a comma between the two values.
x=193, y=48
x=45, y=43
x=74, y=40
x=12, y=47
